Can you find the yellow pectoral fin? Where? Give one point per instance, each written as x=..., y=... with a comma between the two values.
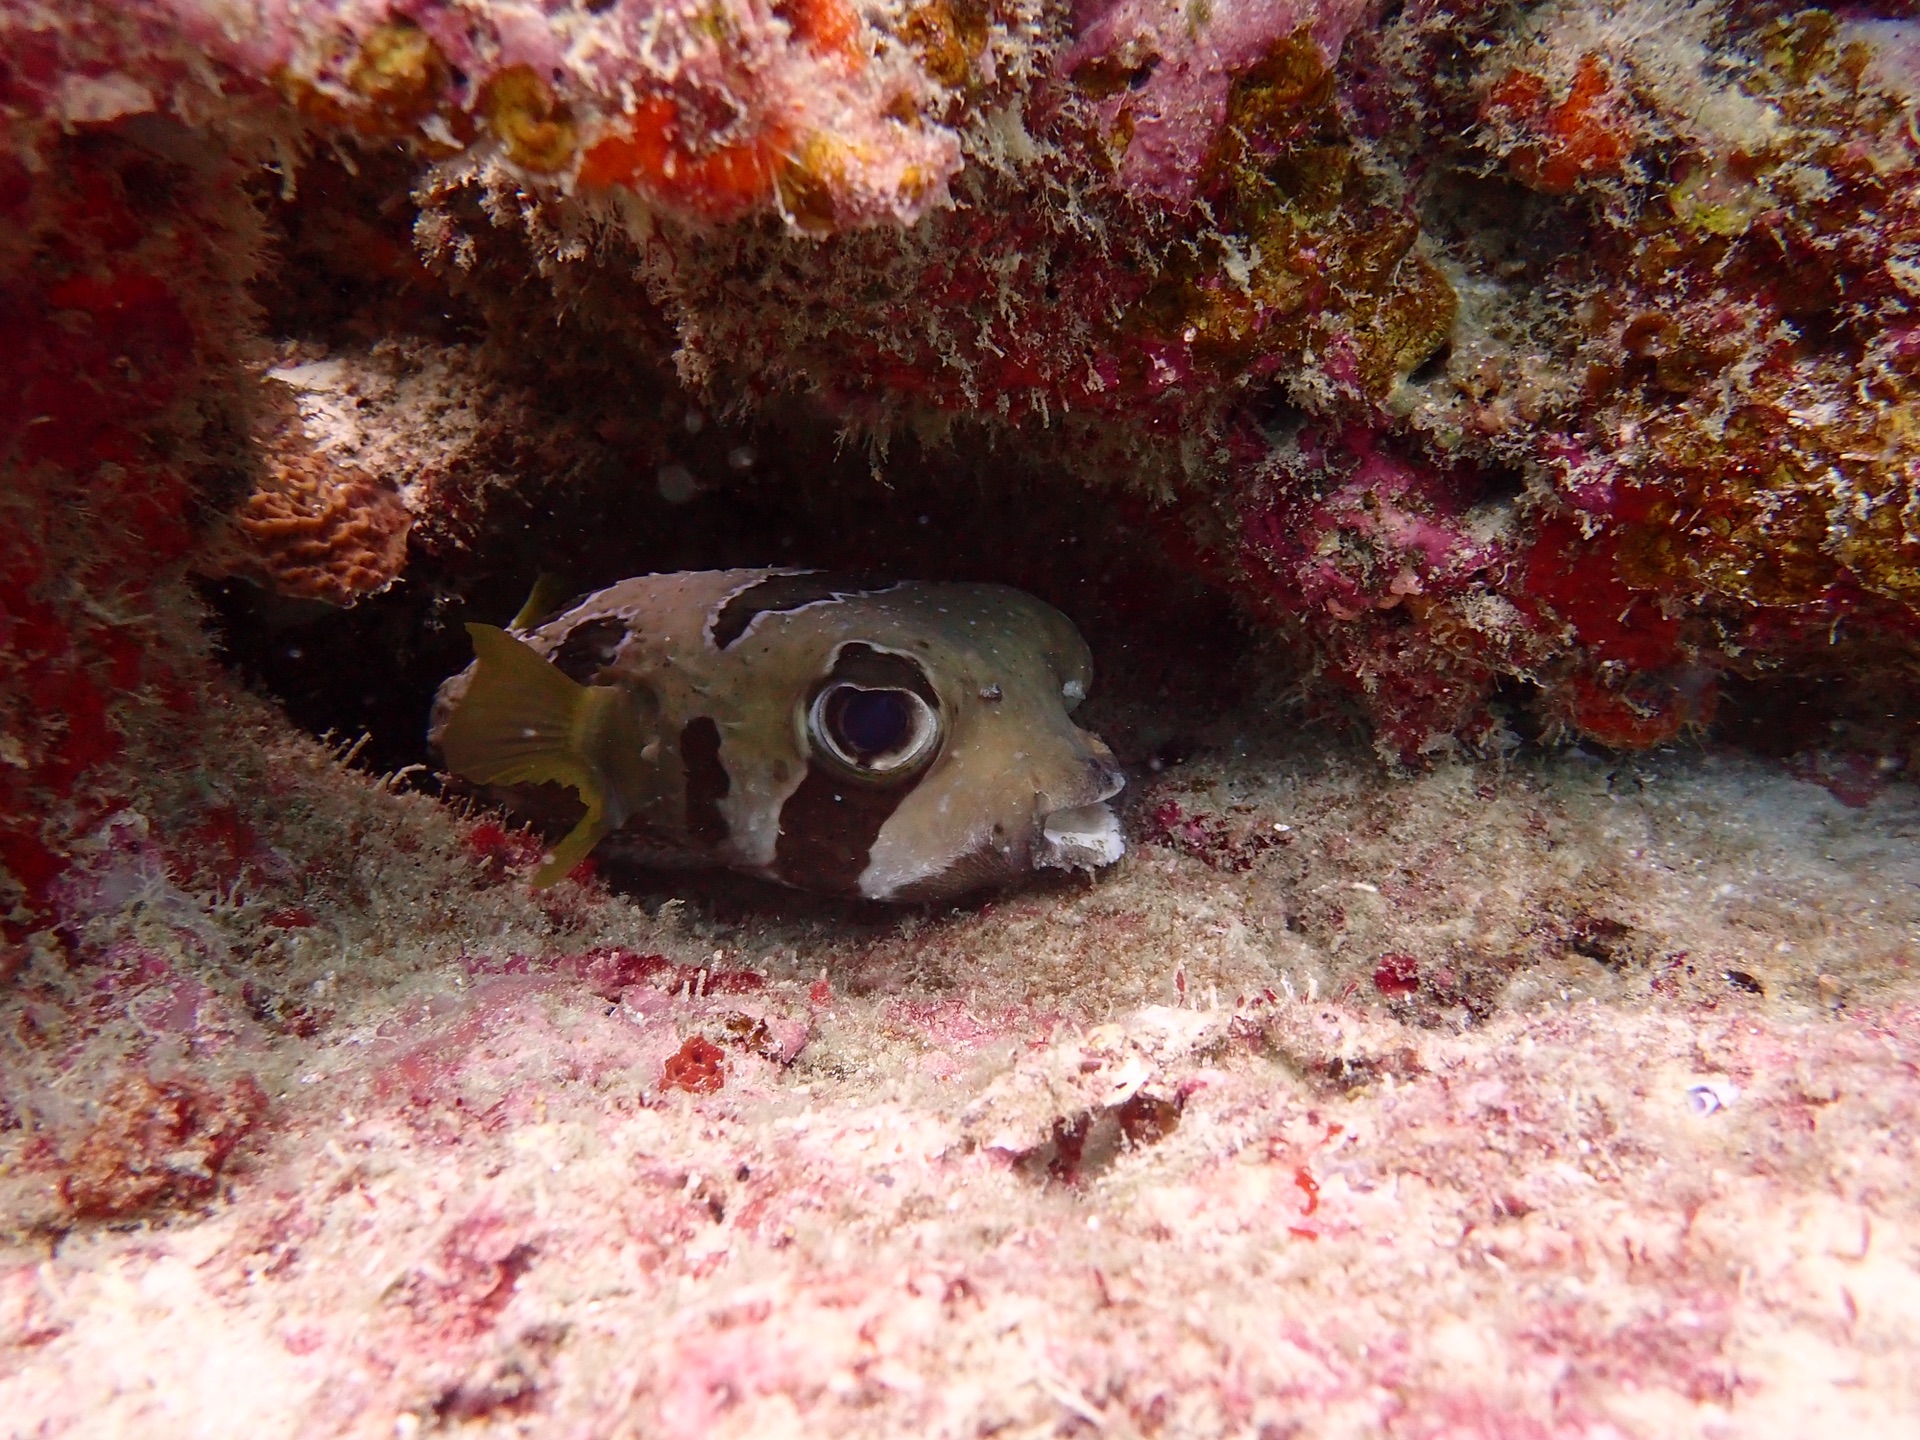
x=516, y=722
x=522, y=722
x=592, y=829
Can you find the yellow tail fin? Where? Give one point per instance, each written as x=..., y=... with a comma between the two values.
x=523, y=722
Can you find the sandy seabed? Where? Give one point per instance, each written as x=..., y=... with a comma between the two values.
x=1560, y=1097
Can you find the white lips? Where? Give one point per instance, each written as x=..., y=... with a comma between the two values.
x=1083, y=838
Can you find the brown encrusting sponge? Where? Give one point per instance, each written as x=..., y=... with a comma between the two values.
x=313, y=527
x=1479, y=445
x=319, y=533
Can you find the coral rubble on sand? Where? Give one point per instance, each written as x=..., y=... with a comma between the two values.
x=1528, y=382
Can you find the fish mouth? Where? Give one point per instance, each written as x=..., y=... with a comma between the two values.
x=1085, y=836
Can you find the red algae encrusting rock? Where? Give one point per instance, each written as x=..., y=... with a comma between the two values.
x=742, y=108
x=158, y=1142
x=1626, y=295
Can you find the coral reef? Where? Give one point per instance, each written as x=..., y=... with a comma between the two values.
x=1618, y=299
x=737, y=109
x=1638, y=416
x=1159, y=74
x=1534, y=386
x=1707, y=480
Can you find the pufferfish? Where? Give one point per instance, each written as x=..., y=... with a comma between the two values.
x=897, y=741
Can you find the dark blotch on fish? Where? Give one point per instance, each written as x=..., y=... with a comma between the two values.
x=707, y=782
x=588, y=649
x=780, y=593
x=827, y=830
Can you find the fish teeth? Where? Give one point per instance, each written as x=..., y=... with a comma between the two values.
x=1085, y=837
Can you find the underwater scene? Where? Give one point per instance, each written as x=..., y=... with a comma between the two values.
x=960, y=718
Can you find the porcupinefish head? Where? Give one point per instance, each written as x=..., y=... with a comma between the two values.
x=897, y=741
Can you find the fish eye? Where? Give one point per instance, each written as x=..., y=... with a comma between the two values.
x=875, y=732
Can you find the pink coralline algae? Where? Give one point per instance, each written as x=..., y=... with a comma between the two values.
x=741, y=108
x=1157, y=74
x=1374, y=531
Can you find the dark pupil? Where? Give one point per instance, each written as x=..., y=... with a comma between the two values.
x=870, y=722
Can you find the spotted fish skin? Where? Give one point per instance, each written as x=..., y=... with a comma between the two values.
x=891, y=740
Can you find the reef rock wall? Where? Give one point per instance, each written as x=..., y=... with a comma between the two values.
x=1540, y=360
x=1542, y=368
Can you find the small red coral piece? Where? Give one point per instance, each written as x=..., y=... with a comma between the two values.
x=1396, y=975
x=159, y=1142
x=665, y=157
x=1577, y=139
x=698, y=1067
x=826, y=27
x=1309, y=1189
